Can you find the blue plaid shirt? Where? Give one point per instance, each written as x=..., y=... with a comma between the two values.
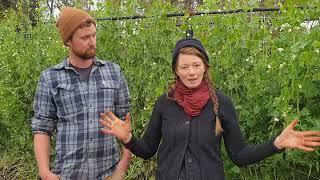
x=70, y=106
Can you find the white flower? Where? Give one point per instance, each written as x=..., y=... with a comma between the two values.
x=300, y=86
x=281, y=66
x=297, y=28
x=280, y=49
x=290, y=30
x=284, y=114
x=275, y=119
x=269, y=66
x=123, y=33
x=283, y=26
x=304, y=25
x=140, y=11
x=134, y=32
x=247, y=59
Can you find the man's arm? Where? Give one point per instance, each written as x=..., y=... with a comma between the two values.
x=122, y=167
x=43, y=125
x=42, y=153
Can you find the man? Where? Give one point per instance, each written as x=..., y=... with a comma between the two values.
x=68, y=102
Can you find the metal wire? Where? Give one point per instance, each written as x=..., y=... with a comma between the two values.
x=262, y=9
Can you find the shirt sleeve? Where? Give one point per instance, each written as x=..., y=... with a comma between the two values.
x=122, y=95
x=238, y=151
x=45, y=118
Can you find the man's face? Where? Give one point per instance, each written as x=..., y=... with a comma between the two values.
x=83, y=42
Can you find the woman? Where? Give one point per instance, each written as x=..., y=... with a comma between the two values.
x=190, y=120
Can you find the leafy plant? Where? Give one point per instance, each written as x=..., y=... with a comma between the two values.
x=267, y=62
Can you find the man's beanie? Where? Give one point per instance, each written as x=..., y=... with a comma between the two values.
x=187, y=42
x=69, y=20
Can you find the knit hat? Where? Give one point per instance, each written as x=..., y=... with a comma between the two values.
x=69, y=20
x=187, y=42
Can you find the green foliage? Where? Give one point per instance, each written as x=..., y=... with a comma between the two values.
x=267, y=62
x=25, y=52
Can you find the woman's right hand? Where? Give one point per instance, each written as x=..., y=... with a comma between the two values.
x=115, y=126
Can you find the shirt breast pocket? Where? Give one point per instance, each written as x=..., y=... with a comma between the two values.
x=107, y=93
x=68, y=99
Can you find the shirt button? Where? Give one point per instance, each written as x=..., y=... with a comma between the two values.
x=189, y=160
x=187, y=122
x=91, y=139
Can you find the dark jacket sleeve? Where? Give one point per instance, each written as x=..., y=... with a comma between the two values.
x=147, y=146
x=238, y=151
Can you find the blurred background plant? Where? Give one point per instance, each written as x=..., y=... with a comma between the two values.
x=266, y=61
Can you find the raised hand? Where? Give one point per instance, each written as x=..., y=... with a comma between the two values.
x=115, y=126
x=292, y=139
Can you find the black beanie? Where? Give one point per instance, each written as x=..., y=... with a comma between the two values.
x=187, y=42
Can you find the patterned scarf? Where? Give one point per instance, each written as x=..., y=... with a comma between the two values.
x=192, y=100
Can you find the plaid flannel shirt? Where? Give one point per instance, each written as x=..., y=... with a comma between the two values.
x=70, y=106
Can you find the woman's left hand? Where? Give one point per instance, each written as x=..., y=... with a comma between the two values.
x=292, y=139
x=115, y=126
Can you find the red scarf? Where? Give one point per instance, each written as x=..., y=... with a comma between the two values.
x=192, y=100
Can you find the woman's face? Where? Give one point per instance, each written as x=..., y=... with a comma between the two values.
x=190, y=69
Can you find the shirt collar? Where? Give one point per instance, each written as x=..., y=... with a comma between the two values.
x=66, y=64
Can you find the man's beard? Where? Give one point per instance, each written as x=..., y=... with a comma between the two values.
x=87, y=54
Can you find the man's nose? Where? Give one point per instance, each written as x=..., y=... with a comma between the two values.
x=92, y=40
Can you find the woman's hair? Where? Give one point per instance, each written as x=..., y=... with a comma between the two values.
x=206, y=78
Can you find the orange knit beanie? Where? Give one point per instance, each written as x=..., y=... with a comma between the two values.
x=69, y=20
